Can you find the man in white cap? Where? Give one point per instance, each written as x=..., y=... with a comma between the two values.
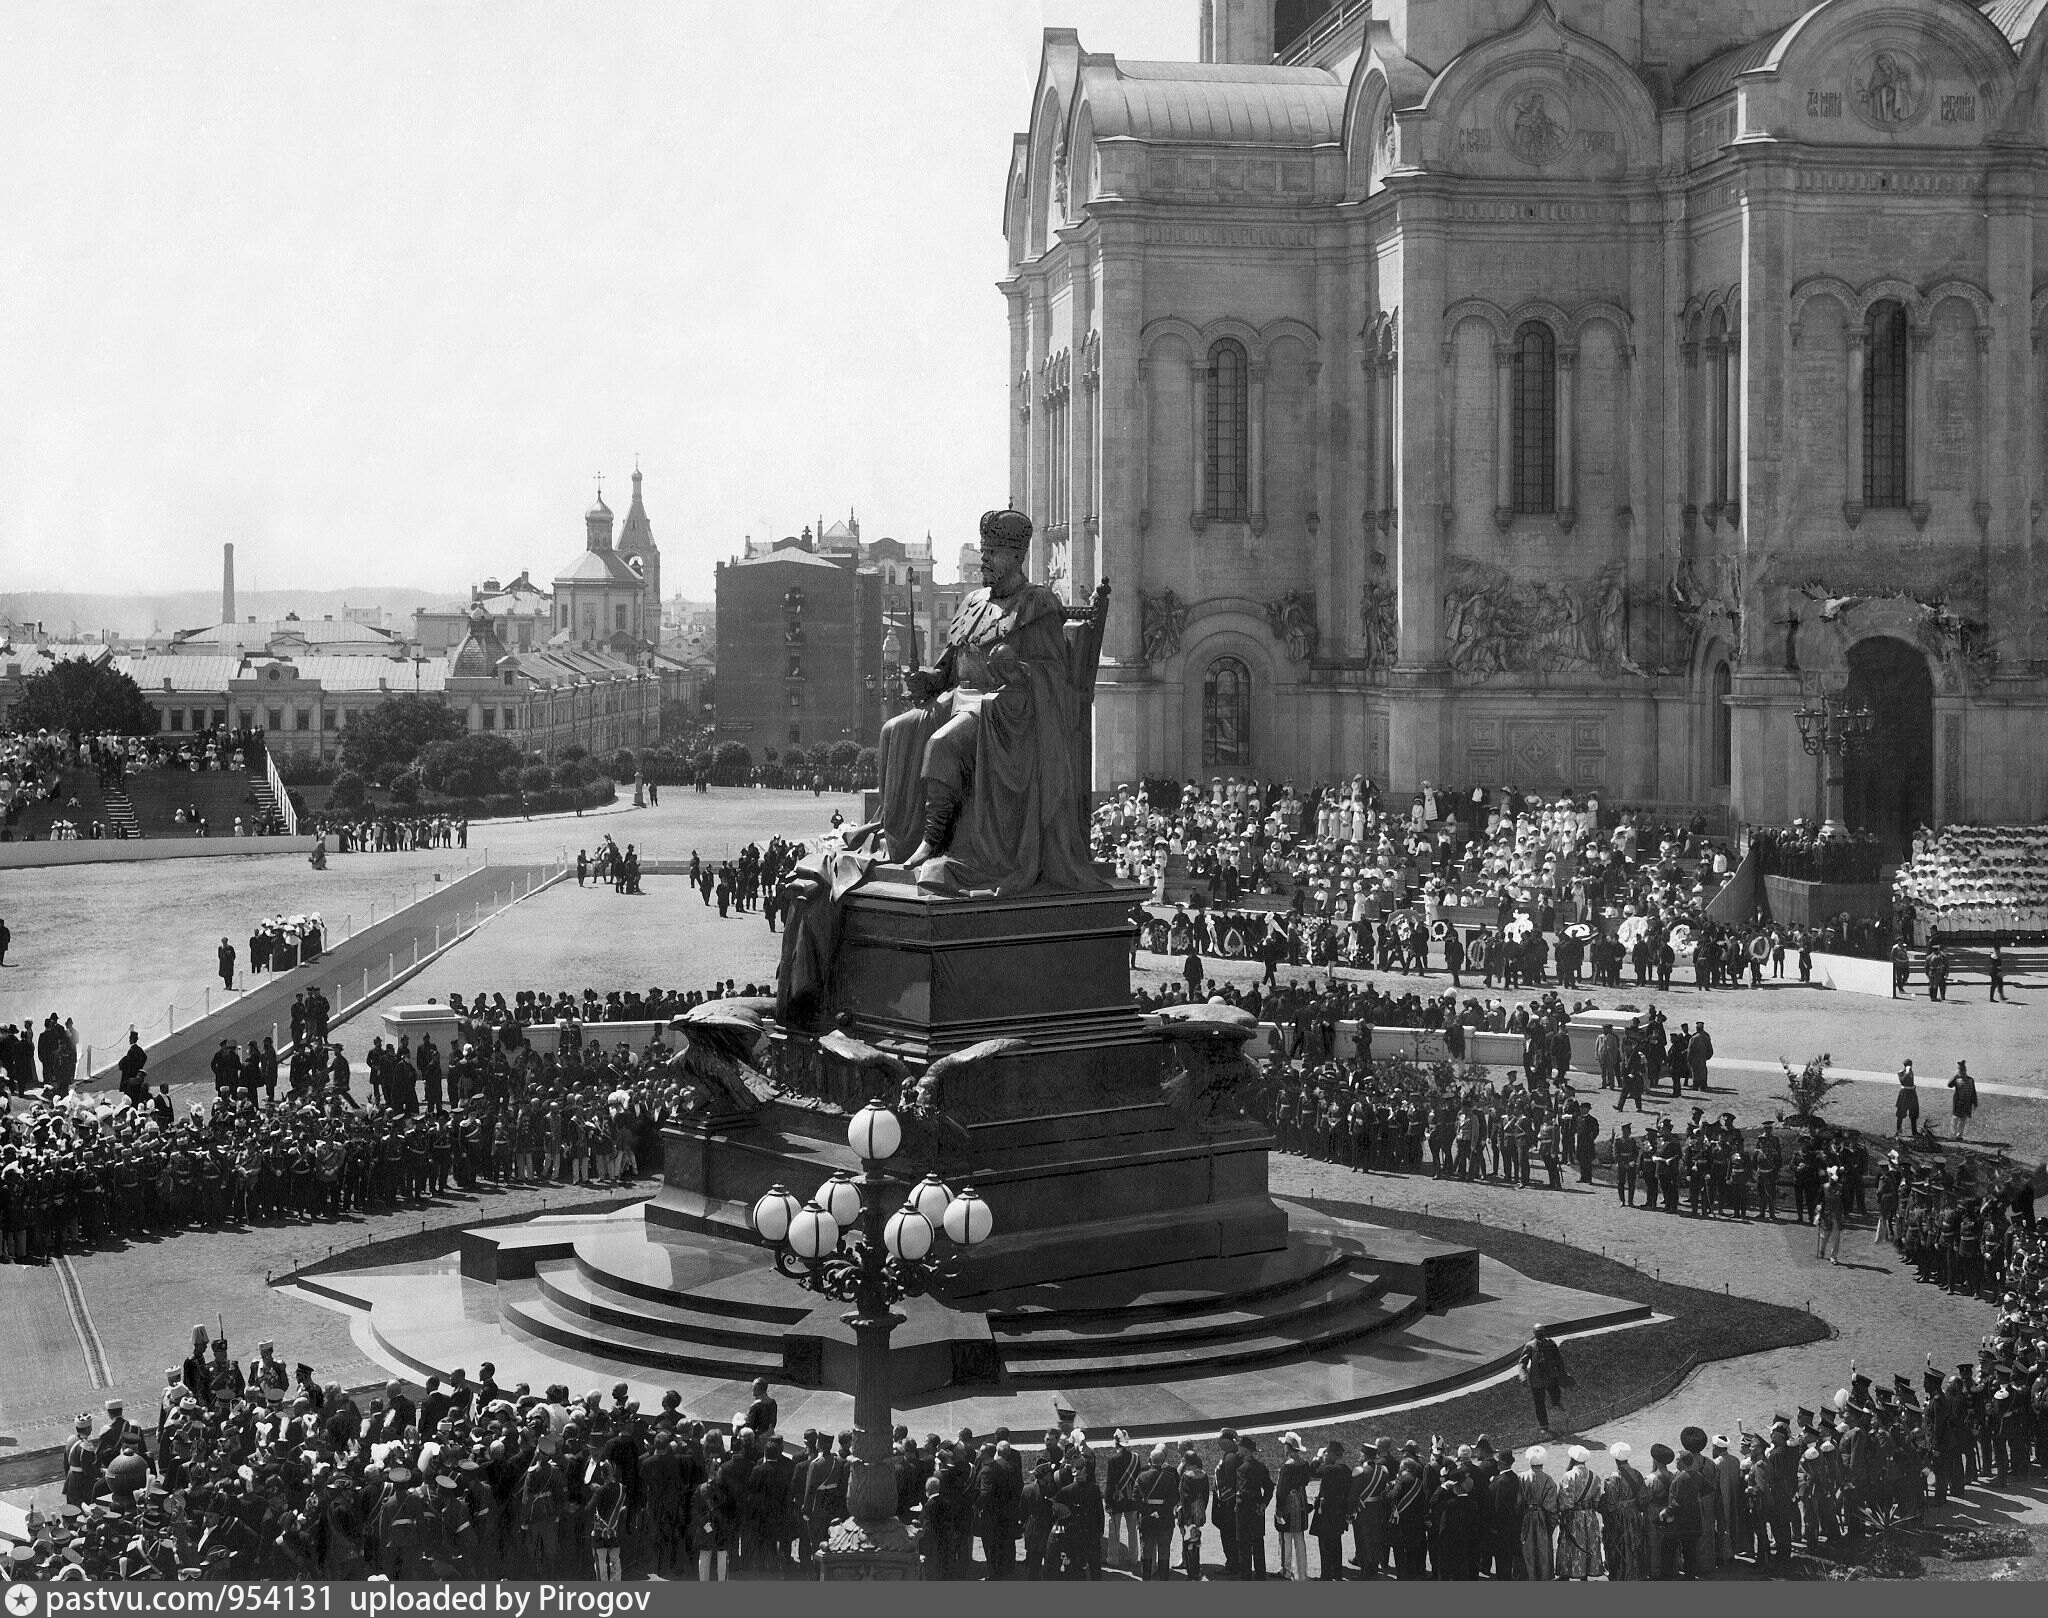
x=1539, y=1517
x=1731, y=1525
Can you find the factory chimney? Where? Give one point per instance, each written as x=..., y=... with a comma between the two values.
x=227, y=584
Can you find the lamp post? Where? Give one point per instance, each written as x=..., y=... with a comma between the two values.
x=1832, y=732
x=844, y=1244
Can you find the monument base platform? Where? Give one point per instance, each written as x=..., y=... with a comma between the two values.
x=1344, y=1319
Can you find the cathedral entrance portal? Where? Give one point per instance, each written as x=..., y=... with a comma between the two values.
x=1889, y=785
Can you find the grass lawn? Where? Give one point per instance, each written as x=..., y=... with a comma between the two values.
x=1614, y=1372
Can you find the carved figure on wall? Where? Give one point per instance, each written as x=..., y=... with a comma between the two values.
x=1535, y=134
x=1486, y=626
x=1610, y=624
x=1379, y=620
x=1890, y=93
x=1165, y=619
x=1293, y=621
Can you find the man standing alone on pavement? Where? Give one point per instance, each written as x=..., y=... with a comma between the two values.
x=1542, y=1367
x=225, y=956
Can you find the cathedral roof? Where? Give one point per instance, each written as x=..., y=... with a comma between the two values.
x=637, y=534
x=600, y=511
x=1210, y=103
x=1718, y=76
x=2014, y=18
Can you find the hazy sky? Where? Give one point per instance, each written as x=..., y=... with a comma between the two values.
x=374, y=290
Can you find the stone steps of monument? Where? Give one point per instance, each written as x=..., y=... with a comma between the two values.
x=1185, y=1360
x=709, y=1324
x=1184, y=1290
x=541, y=1319
x=1061, y=1338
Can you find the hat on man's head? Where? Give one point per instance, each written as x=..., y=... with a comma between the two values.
x=1005, y=530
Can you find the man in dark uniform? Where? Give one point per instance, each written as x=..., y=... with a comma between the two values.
x=1253, y=1492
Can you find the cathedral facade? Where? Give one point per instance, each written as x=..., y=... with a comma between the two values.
x=1565, y=395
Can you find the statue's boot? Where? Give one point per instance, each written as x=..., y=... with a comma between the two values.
x=941, y=809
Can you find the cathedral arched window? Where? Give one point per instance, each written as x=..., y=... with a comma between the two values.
x=1722, y=727
x=1718, y=360
x=1885, y=392
x=1534, y=487
x=1227, y=712
x=1229, y=417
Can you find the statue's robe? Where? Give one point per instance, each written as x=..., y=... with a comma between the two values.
x=1024, y=680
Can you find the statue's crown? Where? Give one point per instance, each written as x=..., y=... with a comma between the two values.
x=1006, y=529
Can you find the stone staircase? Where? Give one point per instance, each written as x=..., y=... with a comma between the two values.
x=713, y=1308
x=267, y=809
x=120, y=813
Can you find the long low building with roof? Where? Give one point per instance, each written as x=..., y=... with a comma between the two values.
x=542, y=700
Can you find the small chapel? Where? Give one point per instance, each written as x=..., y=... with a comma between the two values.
x=1562, y=395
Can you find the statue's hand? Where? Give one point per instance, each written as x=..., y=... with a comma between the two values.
x=1005, y=664
x=923, y=684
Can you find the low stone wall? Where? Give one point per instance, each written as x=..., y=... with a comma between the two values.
x=108, y=850
x=1793, y=903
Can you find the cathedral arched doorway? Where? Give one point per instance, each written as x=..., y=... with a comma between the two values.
x=1889, y=782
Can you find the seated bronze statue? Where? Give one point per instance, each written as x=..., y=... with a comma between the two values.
x=985, y=782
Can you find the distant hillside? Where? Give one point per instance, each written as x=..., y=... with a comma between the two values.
x=63, y=611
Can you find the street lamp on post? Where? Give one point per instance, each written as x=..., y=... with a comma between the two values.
x=844, y=1244
x=1833, y=732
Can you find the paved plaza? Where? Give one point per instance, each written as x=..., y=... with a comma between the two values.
x=108, y=1322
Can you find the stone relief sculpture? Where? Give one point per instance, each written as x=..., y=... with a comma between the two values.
x=1945, y=627
x=1496, y=624
x=1165, y=620
x=1379, y=619
x=1293, y=621
x=1700, y=606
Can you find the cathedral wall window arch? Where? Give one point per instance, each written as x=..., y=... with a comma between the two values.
x=1887, y=407
x=1533, y=366
x=1227, y=457
x=1227, y=713
x=1902, y=345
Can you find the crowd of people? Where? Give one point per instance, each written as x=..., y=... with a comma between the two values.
x=385, y=831
x=616, y=867
x=265, y=1471
x=1978, y=882
x=288, y=1137
x=752, y=881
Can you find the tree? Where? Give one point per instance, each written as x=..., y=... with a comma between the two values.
x=1808, y=1088
x=845, y=755
x=76, y=696
x=536, y=778
x=472, y=766
x=383, y=740
x=623, y=766
x=347, y=793
x=732, y=757
x=867, y=768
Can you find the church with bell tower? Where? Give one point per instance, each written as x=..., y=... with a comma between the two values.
x=608, y=596
x=1551, y=393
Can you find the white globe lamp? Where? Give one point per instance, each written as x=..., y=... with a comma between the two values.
x=874, y=1134
x=773, y=1213
x=908, y=1235
x=840, y=1198
x=930, y=1197
x=968, y=1220
x=813, y=1232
